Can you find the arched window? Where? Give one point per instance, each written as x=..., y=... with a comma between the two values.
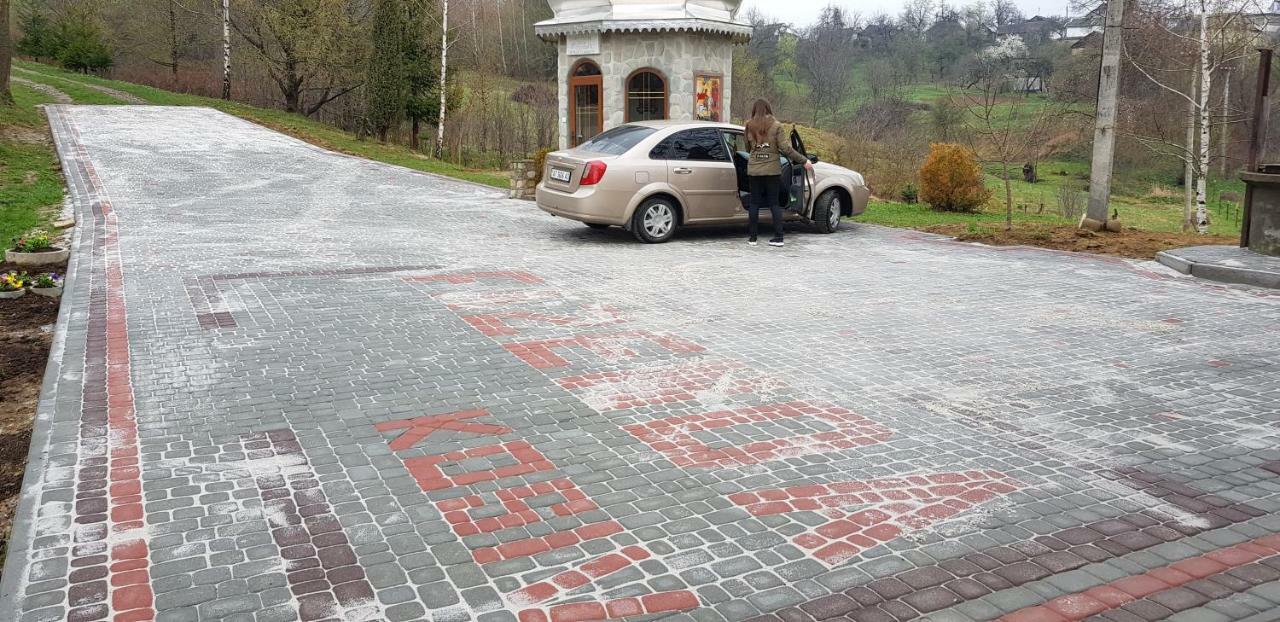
x=585, y=117
x=646, y=96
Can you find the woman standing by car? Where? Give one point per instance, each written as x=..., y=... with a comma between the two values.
x=764, y=170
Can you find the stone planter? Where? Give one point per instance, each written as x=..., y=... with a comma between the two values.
x=44, y=258
x=47, y=292
x=17, y=293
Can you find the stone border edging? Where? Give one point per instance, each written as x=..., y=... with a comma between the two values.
x=20, y=537
x=1217, y=272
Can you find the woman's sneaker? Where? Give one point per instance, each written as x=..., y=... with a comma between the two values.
x=775, y=242
x=752, y=242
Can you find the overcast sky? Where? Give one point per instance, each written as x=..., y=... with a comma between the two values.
x=802, y=12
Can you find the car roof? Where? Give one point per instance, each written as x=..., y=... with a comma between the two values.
x=677, y=124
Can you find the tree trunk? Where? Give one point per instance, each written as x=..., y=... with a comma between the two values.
x=444, y=75
x=175, y=54
x=1224, y=133
x=415, y=128
x=226, y=49
x=6, y=54
x=1008, y=196
x=1206, y=81
x=1189, y=171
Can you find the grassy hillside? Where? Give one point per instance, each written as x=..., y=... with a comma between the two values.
x=300, y=127
x=30, y=186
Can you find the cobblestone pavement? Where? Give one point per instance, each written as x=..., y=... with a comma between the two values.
x=294, y=385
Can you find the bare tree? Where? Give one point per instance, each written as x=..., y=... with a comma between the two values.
x=1007, y=127
x=824, y=57
x=226, y=49
x=916, y=16
x=311, y=48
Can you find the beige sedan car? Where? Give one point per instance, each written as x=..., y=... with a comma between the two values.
x=652, y=178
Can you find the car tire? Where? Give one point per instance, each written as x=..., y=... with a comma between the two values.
x=596, y=225
x=655, y=221
x=827, y=211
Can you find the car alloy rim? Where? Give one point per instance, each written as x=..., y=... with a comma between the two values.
x=658, y=220
x=834, y=216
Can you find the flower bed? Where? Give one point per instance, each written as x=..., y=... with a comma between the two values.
x=36, y=249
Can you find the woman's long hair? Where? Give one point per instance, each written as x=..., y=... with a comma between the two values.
x=759, y=123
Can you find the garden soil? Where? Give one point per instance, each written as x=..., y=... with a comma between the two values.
x=1130, y=243
x=26, y=332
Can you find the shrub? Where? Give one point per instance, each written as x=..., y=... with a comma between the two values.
x=951, y=179
x=46, y=280
x=540, y=163
x=910, y=195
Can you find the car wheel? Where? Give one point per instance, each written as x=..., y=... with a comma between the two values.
x=827, y=211
x=596, y=225
x=655, y=221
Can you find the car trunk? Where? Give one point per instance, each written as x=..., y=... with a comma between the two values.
x=564, y=169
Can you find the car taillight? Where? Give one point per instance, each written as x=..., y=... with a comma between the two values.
x=595, y=172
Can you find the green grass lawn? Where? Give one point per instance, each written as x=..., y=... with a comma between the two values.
x=1038, y=203
x=30, y=186
x=298, y=126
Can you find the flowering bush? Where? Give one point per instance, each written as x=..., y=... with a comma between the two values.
x=12, y=281
x=35, y=242
x=46, y=280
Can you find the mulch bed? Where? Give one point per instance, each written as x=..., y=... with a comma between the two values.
x=1131, y=243
x=26, y=332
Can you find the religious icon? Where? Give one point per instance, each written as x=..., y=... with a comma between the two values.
x=708, y=97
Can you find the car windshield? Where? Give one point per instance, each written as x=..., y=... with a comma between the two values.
x=618, y=140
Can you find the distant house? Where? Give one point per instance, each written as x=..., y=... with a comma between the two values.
x=1091, y=41
x=1267, y=21
x=1082, y=26
x=1033, y=30
x=943, y=30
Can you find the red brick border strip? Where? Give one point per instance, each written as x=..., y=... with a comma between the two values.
x=1170, y=589
x=914, y=593
x=110, y=577
x=618, y=608
x=320, y=565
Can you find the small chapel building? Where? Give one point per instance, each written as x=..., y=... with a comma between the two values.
x=636, y=60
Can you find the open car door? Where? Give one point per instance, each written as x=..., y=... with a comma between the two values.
x=796, y=182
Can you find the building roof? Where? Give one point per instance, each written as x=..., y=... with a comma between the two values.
x=586, y=16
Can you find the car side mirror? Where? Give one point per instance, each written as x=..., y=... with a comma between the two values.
x=814, y=159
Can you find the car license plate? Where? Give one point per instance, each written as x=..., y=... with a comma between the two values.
x=561, y=174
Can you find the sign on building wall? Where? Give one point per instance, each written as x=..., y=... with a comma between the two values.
x=583, y=44
x=708, y=97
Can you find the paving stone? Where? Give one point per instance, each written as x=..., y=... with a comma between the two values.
x=401, y=397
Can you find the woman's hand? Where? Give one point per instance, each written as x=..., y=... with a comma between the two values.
x=808, y=165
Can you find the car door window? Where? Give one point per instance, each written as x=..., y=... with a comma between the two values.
x=737, y=142
x=700, y=145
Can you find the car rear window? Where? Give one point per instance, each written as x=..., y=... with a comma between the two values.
x=618, y=140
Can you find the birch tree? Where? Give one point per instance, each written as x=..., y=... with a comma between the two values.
x=444, y=75
x=1195, y=40
x=226, y=50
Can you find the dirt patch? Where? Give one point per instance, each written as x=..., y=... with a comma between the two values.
x=1131, y=243
x=26, y=331
x=27, y=135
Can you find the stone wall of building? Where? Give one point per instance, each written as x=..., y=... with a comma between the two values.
x=678, y=56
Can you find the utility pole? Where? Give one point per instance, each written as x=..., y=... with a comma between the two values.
x=444, y=75
x=1104, y=133
x=226, y=49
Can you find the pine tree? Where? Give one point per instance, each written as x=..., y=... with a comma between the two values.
x=424, y=82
